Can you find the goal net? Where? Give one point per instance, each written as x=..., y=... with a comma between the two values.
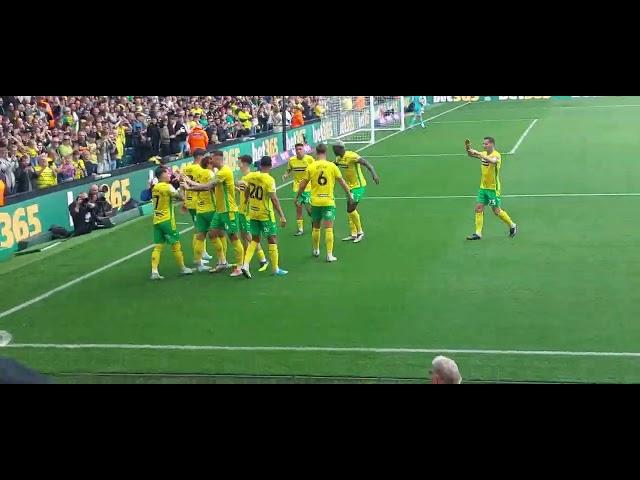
x=359, y=120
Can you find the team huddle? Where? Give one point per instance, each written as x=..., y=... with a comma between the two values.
x=208, y=189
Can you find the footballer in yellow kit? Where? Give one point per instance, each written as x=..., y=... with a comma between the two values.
x=245, y=162
x=225, y=219
x=263, y=204
x=351, y=164
x=163, y=195
x=298, y=167
x=490, y=193
x=192, y=171
x=323, y=175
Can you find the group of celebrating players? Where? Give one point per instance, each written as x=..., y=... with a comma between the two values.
x=208, y=188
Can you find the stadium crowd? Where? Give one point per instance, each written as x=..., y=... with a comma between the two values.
x=48, y=140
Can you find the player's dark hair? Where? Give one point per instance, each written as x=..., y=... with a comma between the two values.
x=217, y=153
x=491, y=139
x=299, y=145
x=321, y=148
x=246, y=159
x=199, y=152
x=160, y=171
x=204, y=161
x=266, y=161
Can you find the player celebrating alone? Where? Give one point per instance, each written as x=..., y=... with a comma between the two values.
x=419, y=104
x=225, y=219
x=164, y=223
x=192, y=171
x=351, y=163
x=246, y=162
x=490, y=191
x=323, y=175
x=298, y=165
x=262, y=200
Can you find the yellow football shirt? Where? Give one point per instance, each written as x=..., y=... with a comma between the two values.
x=299, y=168
x=225, y=191
x=47, y=177
x=352, y=170
x=162, y=196
x=260, y=187
x=191, y=197
x=491, y=172
x=322, y=176
x=205, y=202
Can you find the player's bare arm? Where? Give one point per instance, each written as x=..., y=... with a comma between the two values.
x=286, y=174
x=346, y=189
x=199, y=187
x=276, y=204
x=303, y=187
x=365, y=163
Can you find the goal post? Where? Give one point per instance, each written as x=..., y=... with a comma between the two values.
x=360, y=119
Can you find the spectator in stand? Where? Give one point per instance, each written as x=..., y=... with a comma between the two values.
x=2, y=190
x=24, y=173
x=46, y=176
x=66, y=148
x=198, y=139
x=165, y=139
x=67, y=172
x=298, y=118
x=153, y=136
x=78, y=164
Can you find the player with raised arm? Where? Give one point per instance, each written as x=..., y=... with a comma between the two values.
x=490, y=193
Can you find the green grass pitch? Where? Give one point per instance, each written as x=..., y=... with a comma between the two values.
x=556, y=304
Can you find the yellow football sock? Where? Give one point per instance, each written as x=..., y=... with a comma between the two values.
x=316, y=239
x=504, y=216
x=225, y=246
x=329, y=239
x=300, y=225
x=155, y=257
x=217, y=245
x=177, y=253
x=357, y=223
x=479, y=223
x=198, y=251
x=261, y=256
x=193, y=244
x=274, y=256
x=251, y=250
x=238, y=249
x=352, y=226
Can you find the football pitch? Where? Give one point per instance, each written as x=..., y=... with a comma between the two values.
x=556, y=304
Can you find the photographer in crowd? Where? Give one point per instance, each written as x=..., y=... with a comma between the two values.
x=83, y=213
x=104, y=210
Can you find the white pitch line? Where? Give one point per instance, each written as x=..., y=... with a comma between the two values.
x=420, y=155
x=51, y=246
x=143, y=250
x=64, y=286
x=524, y=135
x=220, y=348
x=534, y=195
x=597, y=106
x=446, y=122
x=413, y=126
